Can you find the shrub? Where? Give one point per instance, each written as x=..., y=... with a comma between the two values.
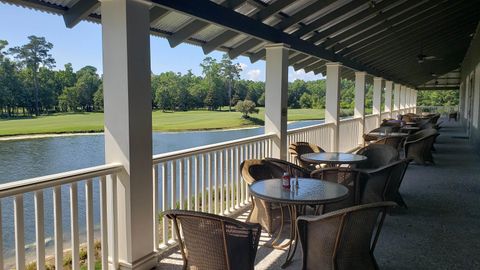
x=246, y=107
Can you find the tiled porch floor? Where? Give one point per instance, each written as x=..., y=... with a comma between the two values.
x=439, y=230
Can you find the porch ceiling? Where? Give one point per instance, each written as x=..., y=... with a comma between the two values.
x=405, y=41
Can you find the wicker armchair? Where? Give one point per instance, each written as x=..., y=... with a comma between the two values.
x=419, y=146
x=378, y=155
x=215, y=242
x=383, y=183
x=262, y=212
x=299, y=148
x=453, y=115
x=346, y=176
x=395, y=141
x=392, y=190
x=344, y=239
x=292, y=168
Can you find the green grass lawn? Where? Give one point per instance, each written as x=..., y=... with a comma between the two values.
x=162, y=121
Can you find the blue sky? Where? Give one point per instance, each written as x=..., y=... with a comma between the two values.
x=81, y=45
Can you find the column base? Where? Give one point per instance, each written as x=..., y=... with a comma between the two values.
x=147, y=262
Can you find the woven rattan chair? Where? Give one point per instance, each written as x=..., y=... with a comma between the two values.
x=453, y=115
x=215, y=242
x=343, y=239
x=291, y=168
x=374, y=183
x=262, y=212
x=392, y=190
x=378, y=155
x=395, y=141
x=348, y=177
x=299, y=148
x=419, y=145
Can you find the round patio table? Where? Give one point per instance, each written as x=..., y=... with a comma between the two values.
x=308, y=191
x=333, y=158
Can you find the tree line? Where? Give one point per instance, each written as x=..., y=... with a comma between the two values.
x=29, y=85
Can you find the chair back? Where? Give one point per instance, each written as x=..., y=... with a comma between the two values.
x=215, y=242
x=392, y=192
x=347, y=177
x=374, y=185
x=258, y=169
x=378, y=155
x=299, y=148
x=344, y=239
x=292, y=168
x=395, y=141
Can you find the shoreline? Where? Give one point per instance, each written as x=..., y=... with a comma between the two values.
x=6, y=138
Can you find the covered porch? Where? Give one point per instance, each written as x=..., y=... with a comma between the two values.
x=380, y=43
x=438, y=229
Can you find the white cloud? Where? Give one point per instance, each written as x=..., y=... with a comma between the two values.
x=253, y=74
x=302, y=75
x=243, y=66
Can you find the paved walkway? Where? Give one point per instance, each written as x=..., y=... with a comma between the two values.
x=439, y=230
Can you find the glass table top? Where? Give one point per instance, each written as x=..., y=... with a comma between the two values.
x=309, y=191
x=333, y=157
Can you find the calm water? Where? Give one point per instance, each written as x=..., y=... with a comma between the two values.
x=37, y=157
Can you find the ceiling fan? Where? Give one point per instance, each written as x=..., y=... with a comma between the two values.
x=423, y=57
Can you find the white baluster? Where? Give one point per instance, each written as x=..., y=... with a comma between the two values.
x=112, y=220
x=189, y=183
x=156, y=240
x=74, y=226
x=19, y=232
x=221, y=172
x=181, y=180
x=197, y=182
x=164, y=203
x=103, y=222
x=173, y=202
x=215, y=183
x=39, y=229
x=234, y=165
x=228, y=177
x=58, y=227
x=90, y=228
x=204, y=187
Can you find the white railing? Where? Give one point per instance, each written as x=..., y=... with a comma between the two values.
x=317, y=134
x=385, y=115
x=349, y=133
x=38, y=202
x=371, y=122
x=203, y=179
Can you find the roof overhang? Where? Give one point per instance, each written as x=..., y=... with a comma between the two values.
x=404, y=41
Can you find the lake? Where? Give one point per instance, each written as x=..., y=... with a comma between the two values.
x=24, y=159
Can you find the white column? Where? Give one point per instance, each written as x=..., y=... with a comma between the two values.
x=377, y=98
x=407, y=99
x=410, y=99
x=332, y=101
x=403, y=91
x=128, y=131
x=461, y=104
x=396, y=99
x=415, y=101
x=388, y=97
x=276, y=97
x=360, y=103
